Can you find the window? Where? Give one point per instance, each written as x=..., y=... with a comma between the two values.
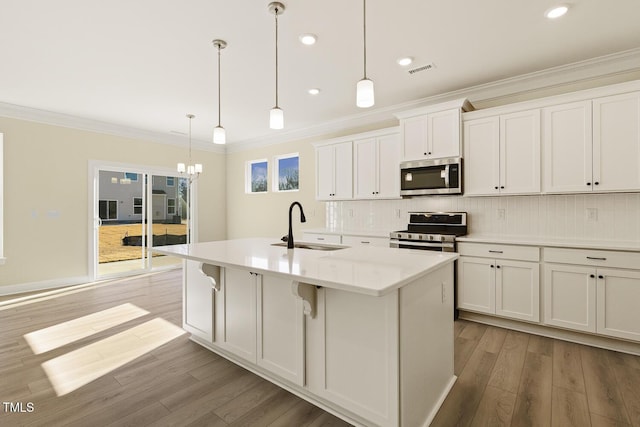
x=171, y=206
x=171, y=181
x=108, y=209
x=131, y=176
x=286, y=173
x=256, y=178
x=137, y=205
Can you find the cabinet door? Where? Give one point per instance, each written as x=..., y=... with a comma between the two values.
x=237, y=317
x=616, y=142
x=365, y=165
x=567, y=146
x=570, y=297
x=443, y=134
x=520, y=152
x=325, y=174
x=197, y=310
x=389, y=166
x=414, y=138
x=618, y=295
x=481, y=156
x=343, y=167
x=518, y=290
x=280, y=329
x=476, y=284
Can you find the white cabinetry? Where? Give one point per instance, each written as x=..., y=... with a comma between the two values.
x=260, y=320
x=502, y=154
x=499, y=279
x=593, y=145
x=197, y=301
x=349, y=240
x=376, y=167
x=334, y=176
x=593, y=291
x=322, y=238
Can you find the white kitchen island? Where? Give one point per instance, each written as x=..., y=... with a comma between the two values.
x=365, y=333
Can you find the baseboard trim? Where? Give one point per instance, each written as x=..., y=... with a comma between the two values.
x=43, y=285
x=614, y=344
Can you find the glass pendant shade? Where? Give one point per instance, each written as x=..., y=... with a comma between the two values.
x=219, y=135
x=198, y=168
x=364, y=93
x=182, y=168
x=276, y=118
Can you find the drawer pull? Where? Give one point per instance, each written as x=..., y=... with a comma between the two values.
x=320, y=238
x=364, y=242
x=495, y=252
x=596, y=258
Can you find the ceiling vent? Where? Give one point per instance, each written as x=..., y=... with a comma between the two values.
x=421, y=68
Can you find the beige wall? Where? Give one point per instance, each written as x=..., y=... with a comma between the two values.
x=45, y=171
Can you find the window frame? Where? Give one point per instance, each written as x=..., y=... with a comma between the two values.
x=249, y=176
x=171, y=199
x=140, y=206
x=276, y=172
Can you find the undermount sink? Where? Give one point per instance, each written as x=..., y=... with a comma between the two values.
x=312, y=246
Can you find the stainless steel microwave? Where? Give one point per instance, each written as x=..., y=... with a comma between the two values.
x=438, y=176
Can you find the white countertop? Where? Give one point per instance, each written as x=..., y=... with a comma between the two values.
x=363, y=269
x=553, y=242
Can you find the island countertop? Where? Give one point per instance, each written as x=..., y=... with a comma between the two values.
x=374, y=271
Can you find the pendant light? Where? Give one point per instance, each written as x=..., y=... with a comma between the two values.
x=276, y=115
x=364, y=90
x=189, y=169
x=219, y=134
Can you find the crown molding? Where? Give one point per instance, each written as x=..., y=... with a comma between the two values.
x=19, y=112
x=557, y=77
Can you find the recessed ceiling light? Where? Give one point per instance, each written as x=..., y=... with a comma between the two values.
x=556, y=11
x=407, y=60
x=308, y=39
x=314, y=91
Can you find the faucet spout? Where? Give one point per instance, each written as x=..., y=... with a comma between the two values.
x=302, y=219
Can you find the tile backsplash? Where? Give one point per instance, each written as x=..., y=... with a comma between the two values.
x=614, y=216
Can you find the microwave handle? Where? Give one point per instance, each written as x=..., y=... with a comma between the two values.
x=446, y=176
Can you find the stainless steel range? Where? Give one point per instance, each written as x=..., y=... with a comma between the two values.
x=431, y=231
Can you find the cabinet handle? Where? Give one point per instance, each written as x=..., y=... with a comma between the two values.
x=596, y=183
x=588, y=183
x=320, y=238
x=429, y=153
x=497, y=266
x=364, y=242
x=593, y=276
x=496, y=187
x=502, y=187
x=425, y=154
x=491, y=265
x=596, y=258
x=600, y=276
x=494, y=252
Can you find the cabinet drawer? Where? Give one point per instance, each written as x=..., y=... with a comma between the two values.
x=523, y=253
x=365, y=241
x=592, y=257
x=324, y=238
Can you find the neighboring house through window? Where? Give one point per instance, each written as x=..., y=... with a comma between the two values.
x=171, y=206
x=171, y=181
x=137, y=205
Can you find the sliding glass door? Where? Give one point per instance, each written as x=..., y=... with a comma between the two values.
x=133, y=209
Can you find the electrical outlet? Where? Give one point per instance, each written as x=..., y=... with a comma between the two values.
x=501, y=214
x=592, y=214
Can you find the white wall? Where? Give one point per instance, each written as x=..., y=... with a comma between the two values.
x=547, y=216
x=46, y=196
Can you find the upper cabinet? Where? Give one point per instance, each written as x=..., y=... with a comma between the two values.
x=432, y=132
x=593, y=145
x=360, y=166
x=376, y=164
x=502, y=154
x=334, y=171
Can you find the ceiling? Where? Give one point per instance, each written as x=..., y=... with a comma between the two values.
x=144, y=64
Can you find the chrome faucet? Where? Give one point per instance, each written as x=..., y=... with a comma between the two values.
x=302, y=219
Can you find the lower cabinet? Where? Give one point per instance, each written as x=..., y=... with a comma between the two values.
x=322, y=238
x=349, y=240
x=504, y=287
x=197, y=301
x=593, y=296
x=260, y=320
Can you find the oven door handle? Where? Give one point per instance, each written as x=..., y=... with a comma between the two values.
x=446, y=176
x=397, y=243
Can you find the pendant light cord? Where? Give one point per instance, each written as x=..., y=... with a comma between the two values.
x=190, y=116
x=219, y=85
x=276, y=56
x=364, y=26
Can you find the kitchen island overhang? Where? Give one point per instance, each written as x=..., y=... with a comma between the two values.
x=363, y=332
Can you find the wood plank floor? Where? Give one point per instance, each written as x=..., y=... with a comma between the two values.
x=504, y=377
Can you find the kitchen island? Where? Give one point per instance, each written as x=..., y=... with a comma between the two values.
x=365, y=333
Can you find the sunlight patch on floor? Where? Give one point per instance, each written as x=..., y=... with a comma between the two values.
x=55, y=336
x=79, y=367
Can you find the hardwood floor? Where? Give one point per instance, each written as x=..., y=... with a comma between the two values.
x=504, y=377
